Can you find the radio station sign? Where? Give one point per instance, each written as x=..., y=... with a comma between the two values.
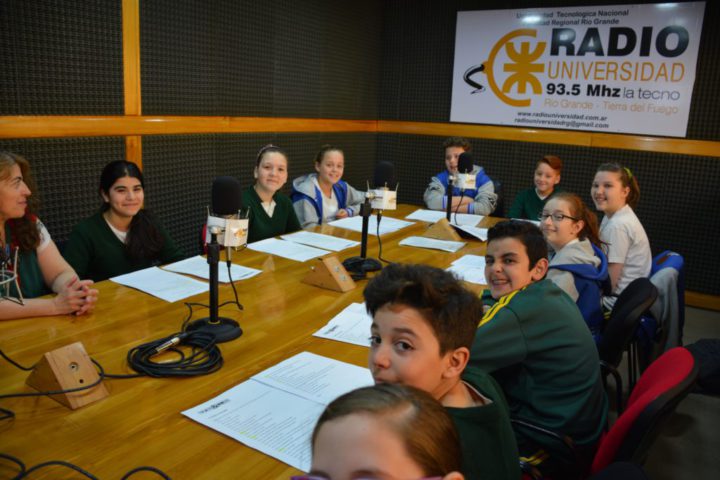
x=620, y=68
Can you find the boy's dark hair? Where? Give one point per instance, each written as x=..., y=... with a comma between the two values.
x=457, y=142
x=451, y=310
x=525, y=232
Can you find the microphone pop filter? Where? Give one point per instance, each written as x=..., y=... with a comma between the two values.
x=465, y=163
x=226, y=199
x=384, y=175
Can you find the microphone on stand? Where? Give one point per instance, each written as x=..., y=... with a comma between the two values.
x=449, y=195
x=225, y=222
x=381, y=198
x=466, y=179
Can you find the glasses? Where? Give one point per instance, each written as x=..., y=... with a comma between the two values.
x=558, y=217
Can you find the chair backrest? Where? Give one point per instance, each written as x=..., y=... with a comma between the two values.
x=624, y=319
x=658, y=392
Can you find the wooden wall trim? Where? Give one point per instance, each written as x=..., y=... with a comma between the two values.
x=562, y=137
x=131, y=75
x=78, y=126
x=702, y=300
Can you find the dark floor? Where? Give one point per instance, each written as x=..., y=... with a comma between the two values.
x=685, y=448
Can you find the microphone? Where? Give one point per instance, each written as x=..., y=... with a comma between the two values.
x=466, y=179
x=226, y=222
x=381, y=198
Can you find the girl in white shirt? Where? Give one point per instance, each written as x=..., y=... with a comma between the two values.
x=616, y=193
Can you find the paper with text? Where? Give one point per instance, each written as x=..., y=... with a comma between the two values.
x=167, y=286
x=199, y=267
x=320, y=240
x=433, y=216
x=387, y=224
x=285, y=249
x=352, y=325
x=433, y=243
x=276, y=410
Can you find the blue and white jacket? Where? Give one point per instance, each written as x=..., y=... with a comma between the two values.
x=308, y=204
x=580, y=269
x=483, y=195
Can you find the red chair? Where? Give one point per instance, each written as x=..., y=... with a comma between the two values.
x=660, y=389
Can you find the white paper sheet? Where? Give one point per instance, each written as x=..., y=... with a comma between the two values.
x=352, y=325
x=469, y=274
x=387, y=224
x=477, y=232
x=168, y=286
x=198, y=267
x=433, y=216
x=285, y=249
x=276, y=410
x=474, y=261
x=319, y=240
x=433, y=243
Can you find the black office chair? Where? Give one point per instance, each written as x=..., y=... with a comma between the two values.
x=500, y=204
x=617, y=337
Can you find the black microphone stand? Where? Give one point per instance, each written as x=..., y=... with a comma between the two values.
x=448, y=207
x=360, y=265
x=224, y=329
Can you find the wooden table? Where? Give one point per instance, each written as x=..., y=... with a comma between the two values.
x=140, y=422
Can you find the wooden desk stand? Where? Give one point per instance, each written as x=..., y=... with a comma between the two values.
x=329, y=273
x=442, y=230
x=66, y=368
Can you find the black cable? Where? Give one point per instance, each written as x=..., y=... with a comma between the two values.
x=380, y=257
x=10, y=360
x=204, y=358
x=16, y=461
x=146, y=469
x=25, y=472
x=56, y=462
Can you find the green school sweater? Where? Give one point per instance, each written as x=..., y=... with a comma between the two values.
x=535, y=343
x=284, y=219
x=488, y=444
x=96, y=253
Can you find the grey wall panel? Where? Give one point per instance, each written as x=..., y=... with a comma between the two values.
x=61, y=58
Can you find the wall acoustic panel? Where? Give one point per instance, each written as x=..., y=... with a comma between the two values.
x=61, y=57
x=315, y=59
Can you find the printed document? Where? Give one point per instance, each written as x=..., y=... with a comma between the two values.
x=320, y=240
x=276, y=410
x=285, y=249
x=168, y=286
x=352, y=325
x=198, y=267
x=470, y=268
x=387, y=224
x=423, y=242
x=432, y=216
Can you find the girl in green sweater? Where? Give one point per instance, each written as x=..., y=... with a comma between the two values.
x=122, y=237
x=271, y=212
